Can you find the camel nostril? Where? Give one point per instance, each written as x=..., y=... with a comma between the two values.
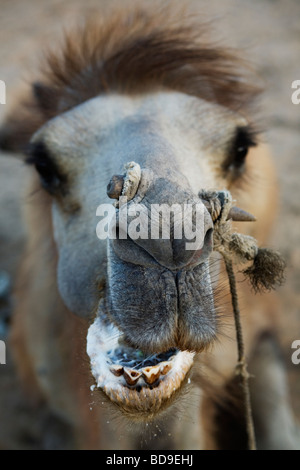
x=208, y=239
x=208, y=243
x=203, y=253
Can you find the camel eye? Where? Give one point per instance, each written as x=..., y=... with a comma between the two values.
x=241, y=154
x=50, y=177
x=238, y=150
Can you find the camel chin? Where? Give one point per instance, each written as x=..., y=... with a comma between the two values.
x=140, y=384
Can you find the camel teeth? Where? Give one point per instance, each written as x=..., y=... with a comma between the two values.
x=151, y=374
x=116, y=369
x=131, y=376
x=165, y=367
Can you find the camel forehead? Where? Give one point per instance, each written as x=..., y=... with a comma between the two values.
x=105, y=132
x=119, y=115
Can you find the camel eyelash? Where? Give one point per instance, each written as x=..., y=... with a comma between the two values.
x=38, y=155
x=247, y=136
x=244, y=139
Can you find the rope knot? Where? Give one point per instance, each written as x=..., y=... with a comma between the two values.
x=241, y=369
x=267, y=268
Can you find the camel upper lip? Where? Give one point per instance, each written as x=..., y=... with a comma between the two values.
x=130, y=379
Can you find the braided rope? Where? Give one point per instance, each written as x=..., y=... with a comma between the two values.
x=241, y=367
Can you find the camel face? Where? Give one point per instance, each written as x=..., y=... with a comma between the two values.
x=151, y=298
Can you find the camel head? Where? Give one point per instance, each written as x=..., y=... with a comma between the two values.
x=155, y=308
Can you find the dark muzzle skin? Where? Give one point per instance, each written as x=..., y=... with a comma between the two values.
x=159, y=292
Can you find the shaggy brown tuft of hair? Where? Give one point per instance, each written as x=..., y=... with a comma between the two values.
x=267, y=271
x=132, y=52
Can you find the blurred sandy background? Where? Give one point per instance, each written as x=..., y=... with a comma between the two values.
x=269, y=31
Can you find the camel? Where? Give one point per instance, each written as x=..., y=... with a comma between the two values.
x=130, y=341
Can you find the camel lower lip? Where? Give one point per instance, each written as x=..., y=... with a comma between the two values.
x=136, y=383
